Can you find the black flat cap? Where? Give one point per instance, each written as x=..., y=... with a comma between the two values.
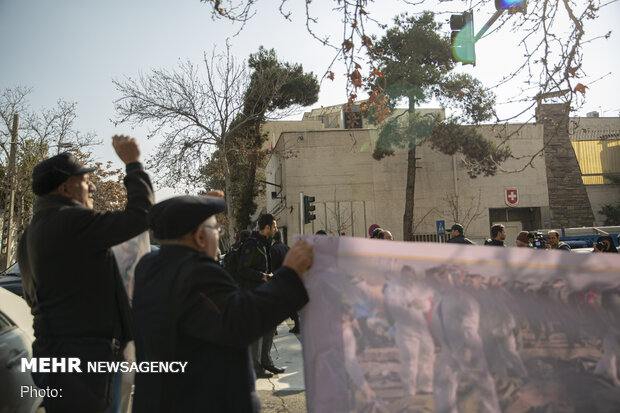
x=180, y=215
x=52, y=172
x=457, y=227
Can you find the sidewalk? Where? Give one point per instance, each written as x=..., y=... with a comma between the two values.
x=284, y=393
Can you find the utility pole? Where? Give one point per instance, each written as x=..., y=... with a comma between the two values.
x=301, y=213
x=7, y=236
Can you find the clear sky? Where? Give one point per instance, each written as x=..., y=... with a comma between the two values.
x=72, y=49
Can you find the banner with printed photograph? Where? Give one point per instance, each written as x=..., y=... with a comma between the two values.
x=420, y=327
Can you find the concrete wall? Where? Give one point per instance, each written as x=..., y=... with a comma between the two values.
x=600, y=195
x=274, y=129
x=354, y=191
x=594, y=128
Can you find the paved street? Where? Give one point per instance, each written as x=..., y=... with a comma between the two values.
x=284, y=392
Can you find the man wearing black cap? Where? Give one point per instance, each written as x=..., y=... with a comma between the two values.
x=186, y=307
x=70, y=278
x=457, y=237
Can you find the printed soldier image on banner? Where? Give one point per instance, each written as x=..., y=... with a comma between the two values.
x=401, y=327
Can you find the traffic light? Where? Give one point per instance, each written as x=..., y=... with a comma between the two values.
x=512, y=5
x=308, y=208
x=463, y=41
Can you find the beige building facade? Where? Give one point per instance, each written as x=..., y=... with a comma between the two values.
x=319, y=156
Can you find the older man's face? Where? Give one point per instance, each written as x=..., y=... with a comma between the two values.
x=554, y=241
x=211, y=237
x=80, y=189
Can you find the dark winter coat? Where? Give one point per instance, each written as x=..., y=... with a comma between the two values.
x=71, y=280
x=278, y=252
x=494, y=243
x=254, y=261
x=202, y=318
x=460, y=239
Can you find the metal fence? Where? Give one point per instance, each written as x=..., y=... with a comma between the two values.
x=431, y=238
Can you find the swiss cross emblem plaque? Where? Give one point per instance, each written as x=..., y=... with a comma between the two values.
x=511, y=196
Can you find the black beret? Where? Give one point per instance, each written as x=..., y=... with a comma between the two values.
x=52, y=172
x=180, y=215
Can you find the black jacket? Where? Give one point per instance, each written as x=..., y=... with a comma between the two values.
x=202, y=318
x=278, y=252
x=460, y=239
x=494, y=243
x=254, y=261
x=71, y=280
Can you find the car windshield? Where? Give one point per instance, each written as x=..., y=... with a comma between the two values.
x=12, y=270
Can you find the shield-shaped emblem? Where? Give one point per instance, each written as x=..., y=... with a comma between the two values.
x=511, y=196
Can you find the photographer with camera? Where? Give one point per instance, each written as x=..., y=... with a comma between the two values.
x=523, y=239
x=605, y=243
x=538, y=240
x=555, y=243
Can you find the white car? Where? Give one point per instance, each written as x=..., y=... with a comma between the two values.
x=16, y=337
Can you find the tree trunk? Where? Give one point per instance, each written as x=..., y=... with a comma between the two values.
x=255, y=159
x=228, y=195
x=248, y=195
x=410, y=190
x=409, y=196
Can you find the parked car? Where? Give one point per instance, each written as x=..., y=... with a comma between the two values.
x=16, y=337
x=582, y=250
x=11, y=280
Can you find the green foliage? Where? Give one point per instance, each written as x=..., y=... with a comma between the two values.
x=415, y=61
x=273, y=86
x=288, y=83
x=467, y=96
x=413, y=56
x=416, y=64
x=481, y=154
x=403, y=133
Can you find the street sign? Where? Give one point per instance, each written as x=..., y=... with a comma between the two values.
x=441, y=227
x=511, y=196
x=372, y=229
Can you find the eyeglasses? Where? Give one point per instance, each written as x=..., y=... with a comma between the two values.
x=218, y=228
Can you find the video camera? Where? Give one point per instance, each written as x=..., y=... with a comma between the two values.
x=600, y=246
x=538, y=239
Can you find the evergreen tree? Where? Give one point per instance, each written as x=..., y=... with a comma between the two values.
x=415, y=63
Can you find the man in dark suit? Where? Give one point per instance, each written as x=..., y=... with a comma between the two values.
x=186, y=307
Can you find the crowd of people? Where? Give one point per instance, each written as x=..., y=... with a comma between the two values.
x=452, y=326
x=222, y=319
x=530, y=239
x=185, y=305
